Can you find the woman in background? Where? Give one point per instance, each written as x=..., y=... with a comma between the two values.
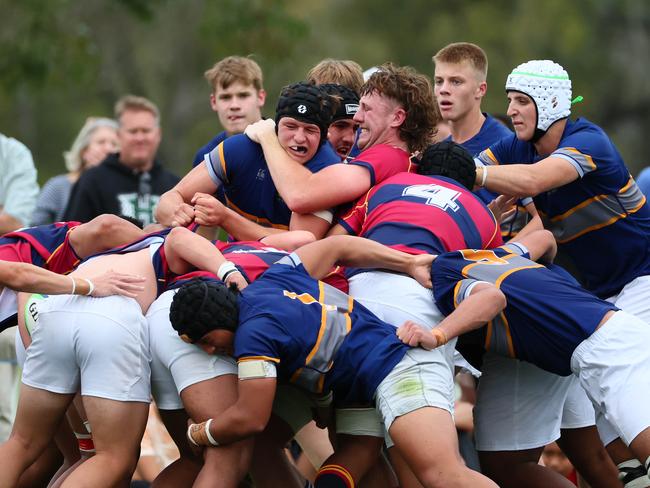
x=96, y=140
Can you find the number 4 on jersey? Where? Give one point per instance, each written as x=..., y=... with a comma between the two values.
x=435, y=195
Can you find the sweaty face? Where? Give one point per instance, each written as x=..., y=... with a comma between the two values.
x=237, y=106
x=376, y=119
x=299, y=139
x=523, y=113
x=217, y=341
x=139, y=137
x=103, y=141
x=458, y=89
x=341, y=135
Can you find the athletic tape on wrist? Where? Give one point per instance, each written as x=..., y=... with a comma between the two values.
x=91, y=286
x=441, y=337
x=74, y=285
x=226, y=269
x=484, y=176
x=207, y=432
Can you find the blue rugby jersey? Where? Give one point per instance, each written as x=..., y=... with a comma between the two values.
x=320, y=338
x=601, y=220
x=547, y=313
x=491, y=132
x=238, y=166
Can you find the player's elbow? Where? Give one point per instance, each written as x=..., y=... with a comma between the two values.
x=298, y=201
x=23, y=278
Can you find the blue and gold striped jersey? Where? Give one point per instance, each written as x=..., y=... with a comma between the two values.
x=547, y=313
x=601, y=220
x=320, y=338
x=238, y=166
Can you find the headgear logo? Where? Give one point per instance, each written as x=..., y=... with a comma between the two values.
x=302, y=109
x=351, y=108
x=554, y=102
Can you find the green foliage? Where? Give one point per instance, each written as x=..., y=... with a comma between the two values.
x=61, y=60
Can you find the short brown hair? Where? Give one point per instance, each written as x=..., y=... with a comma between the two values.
x=340, y=71
x=413, y=91
x=235, y=69
x=136, y=104
x=464, y=51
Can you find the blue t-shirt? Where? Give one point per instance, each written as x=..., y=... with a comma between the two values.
x=238, y=165
x=601, y=220
x=547, y=313
x=320, y=338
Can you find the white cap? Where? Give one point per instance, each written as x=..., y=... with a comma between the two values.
x=548, y=84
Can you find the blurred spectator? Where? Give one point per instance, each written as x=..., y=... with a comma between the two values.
x=129, y=182
x=18, y=190
x=96, y=140
x=18, y=187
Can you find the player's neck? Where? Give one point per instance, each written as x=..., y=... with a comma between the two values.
x=550, y=141
x=464, y=129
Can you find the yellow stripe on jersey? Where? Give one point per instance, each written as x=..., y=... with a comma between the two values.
x=456, y=291
x=488, y=152
x=222, y=161
x=258, y=358
x=254, y=218
x=511, y=347
x=323, y=321
x=588, y=158
x=503, y=276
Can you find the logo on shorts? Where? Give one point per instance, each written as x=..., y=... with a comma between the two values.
x=302, y=109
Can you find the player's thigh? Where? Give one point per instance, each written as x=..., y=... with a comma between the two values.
x=117, y=426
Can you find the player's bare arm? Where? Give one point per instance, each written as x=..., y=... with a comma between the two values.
x=186, y=250
x=302, y=190
x=174, y=207
x=484, y=302
x=524, y=180
x=321, y=256
x=102, y=233
x=29, y=278
x=247, y=417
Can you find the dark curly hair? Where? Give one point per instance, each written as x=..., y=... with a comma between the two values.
x=448, y=159
x=201, y=306
x=413, y=91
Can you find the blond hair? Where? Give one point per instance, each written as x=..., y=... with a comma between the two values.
x=72, y=157
x=340, y=71
x=134, y=103
x=458, y=52
x=234, y=69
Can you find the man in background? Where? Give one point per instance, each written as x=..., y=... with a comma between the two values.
x=130, y=182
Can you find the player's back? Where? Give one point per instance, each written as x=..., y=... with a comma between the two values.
x=417, y=214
